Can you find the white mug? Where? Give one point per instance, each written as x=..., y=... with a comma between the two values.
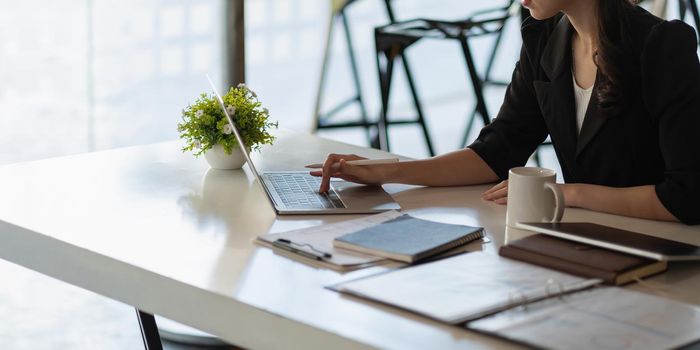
x=533, y=196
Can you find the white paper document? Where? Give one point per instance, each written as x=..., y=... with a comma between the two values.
x=321, y=238
x=464, y=287
x=603, y=318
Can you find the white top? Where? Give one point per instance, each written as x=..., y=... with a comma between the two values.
x=582, y=97
x=157, y=229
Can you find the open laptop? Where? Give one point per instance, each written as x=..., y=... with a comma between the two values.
x=296, y=192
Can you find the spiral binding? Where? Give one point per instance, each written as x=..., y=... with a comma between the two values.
x=513, y=301
x=560, y=288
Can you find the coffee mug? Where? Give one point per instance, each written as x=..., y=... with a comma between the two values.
x=533, y=196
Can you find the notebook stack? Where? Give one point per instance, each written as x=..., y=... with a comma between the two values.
x=581, y=259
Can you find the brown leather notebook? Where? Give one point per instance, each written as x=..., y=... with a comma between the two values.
x=581, y=259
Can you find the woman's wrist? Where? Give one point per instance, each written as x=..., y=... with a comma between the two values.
x=391, y=173
x=572, y=194
x=406, y=172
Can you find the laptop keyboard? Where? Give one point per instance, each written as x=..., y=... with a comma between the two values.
x=301, y=191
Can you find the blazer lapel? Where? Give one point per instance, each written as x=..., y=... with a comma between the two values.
x=557, y=96
x=558, y=49
x=592, y=123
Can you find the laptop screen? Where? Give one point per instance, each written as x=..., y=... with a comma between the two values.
x=235, y=130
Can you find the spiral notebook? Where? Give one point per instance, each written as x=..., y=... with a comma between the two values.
x=408, y=239
x=465, y=287
x=598, y=318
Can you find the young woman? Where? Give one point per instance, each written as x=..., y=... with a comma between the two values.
x=618, y=92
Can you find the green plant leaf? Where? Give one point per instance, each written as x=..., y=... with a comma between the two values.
x=204, y=124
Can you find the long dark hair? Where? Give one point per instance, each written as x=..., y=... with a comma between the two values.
x=613, y=30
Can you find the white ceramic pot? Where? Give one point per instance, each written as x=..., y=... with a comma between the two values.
x=218, y=159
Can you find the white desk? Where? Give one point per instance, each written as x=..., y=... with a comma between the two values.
x=153, y=228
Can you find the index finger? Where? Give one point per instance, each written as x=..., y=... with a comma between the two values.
x=495, y=188
x=326, y=172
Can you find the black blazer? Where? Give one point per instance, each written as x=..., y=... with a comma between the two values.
x=654, y=139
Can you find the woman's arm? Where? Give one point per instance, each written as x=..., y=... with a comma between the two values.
x=640, y=201
x=458, y=168
x=462, y=167
x=671, y=92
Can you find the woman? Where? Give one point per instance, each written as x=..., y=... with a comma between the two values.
x=618, y=92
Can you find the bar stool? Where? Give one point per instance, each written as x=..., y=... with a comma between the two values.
x=393, y=39
x=323, y=120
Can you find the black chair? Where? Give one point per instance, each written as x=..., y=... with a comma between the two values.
x=324, y=120
x=393, y=39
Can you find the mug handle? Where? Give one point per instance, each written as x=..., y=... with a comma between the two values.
x=558, y=199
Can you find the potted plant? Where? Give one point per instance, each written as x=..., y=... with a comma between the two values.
x=206, y=130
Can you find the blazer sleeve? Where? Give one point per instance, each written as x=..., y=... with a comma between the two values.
x=510, y=139
x=671, y=90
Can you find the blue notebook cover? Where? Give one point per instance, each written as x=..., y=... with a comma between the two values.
x=408, y=239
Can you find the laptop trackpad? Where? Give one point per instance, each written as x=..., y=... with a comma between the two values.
x=363, y=196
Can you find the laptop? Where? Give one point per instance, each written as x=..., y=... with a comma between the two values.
x=296, y=192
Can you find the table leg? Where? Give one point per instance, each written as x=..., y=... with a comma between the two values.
x=149, y=331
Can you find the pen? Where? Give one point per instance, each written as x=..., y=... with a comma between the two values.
x=359, y=162
x=288, y=245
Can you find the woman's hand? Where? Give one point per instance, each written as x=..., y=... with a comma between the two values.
x=497, y=194
x=336, y=166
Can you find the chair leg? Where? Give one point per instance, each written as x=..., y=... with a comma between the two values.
x=478, y=89
x=487, y=77
x=389, y=11
x=696, y=15
x=324, y=71
x=355, y=73
x=468, y=130
x=492, y=56
x=417, y=105
x=321, y=119
x=409, y=77
x=536, y=156
x=681, y=9
x=384, y=71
